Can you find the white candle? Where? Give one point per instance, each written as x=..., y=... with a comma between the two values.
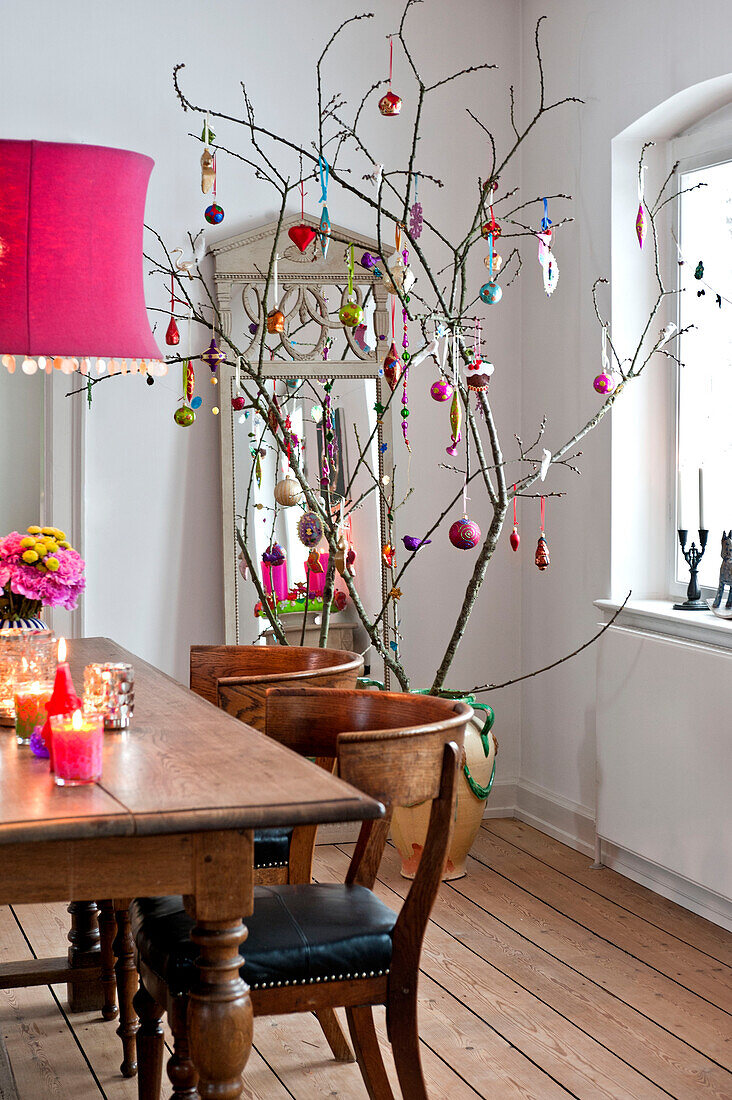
x=702, y=525
x=679, y=508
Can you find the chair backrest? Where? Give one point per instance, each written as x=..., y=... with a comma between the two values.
x=400, y=749
x=236, y=678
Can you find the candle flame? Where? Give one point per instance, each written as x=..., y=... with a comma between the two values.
x=76, y=720
x=61, y=650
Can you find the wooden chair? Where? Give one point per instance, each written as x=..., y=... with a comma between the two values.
x=316, y=946
x=237, y=679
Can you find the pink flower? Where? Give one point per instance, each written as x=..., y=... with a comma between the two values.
x=61, y=588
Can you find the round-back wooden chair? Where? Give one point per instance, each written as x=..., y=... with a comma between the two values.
x=319, y=946
x=235, y=678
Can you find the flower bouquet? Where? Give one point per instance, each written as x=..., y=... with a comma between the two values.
x=37, y=569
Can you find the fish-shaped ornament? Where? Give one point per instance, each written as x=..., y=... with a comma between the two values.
x=640, y=225
x=392, y=367
x=456, y=420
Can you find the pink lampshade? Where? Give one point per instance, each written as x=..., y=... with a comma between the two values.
x=71, y=221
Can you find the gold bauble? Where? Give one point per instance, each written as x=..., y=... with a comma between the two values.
x=287, y=492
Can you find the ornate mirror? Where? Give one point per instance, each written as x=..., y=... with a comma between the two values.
x=313, y=352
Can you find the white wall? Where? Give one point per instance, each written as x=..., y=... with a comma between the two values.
x=91, y=72
x=623, y=59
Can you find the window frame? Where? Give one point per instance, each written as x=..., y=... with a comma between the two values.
x=706, y=145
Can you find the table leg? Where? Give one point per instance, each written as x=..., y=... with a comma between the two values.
x=107, y=930
x=220, y=1019
x=126, y=971
x=85, y=992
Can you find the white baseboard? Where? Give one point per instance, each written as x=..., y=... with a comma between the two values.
x=502, y=799
x=714, y=907
x=567, y=821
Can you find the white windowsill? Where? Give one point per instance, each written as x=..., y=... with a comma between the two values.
x=659, y=617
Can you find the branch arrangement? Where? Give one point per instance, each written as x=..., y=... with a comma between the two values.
x=441, y=306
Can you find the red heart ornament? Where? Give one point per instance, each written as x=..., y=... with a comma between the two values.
x=302, y=235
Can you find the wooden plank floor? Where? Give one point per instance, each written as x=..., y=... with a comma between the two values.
x=541, y=978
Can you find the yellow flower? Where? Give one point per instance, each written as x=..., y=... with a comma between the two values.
x=30, y=556
x=26, y=544
x=33, y=530
x=52, y=564
x=48, y=530
x=65, y=545
x=60, y=535
x=51, y=545
x=41, y=549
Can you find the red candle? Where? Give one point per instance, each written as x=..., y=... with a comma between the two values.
x=64, y=699
x=77, y=748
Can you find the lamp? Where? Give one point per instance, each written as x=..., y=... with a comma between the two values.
x=71, y=221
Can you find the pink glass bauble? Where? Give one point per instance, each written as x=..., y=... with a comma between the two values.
x=604, y=383
x=390, y=104
x=172, y=336
x=441, y=390
x=515, y=539
x=302, y=235
x=464, y=534
x=214, y=213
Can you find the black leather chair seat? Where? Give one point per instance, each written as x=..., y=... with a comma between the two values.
x=297, y=935
x=272, y=847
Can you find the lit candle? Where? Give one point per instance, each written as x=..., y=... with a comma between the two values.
x=77, y=748
x=702, y=526
x=30, y=708
x=64, y=699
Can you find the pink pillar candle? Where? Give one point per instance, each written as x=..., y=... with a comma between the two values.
x=77, y=748
x=30, y=709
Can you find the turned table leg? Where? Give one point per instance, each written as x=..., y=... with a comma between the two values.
x=107, y=930
x=220, y=1019
x=85, y=991
x=126, y=971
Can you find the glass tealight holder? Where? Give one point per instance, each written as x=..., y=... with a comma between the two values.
x=30, y=698
x=77, y=748
x=25, y=655
x=109, y=690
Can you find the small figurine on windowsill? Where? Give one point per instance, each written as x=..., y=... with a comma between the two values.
x=725, y=580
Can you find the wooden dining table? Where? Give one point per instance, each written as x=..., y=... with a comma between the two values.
x=180, y=795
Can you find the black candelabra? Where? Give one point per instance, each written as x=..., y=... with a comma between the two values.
x=692, y=557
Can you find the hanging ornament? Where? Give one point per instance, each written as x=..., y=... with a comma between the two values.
x=287, y=492
x=189, y=380
x=324, y=227
x=313, y=562
x=302, y=235
x=213, y=355
x=237, y=401
x=274, y=555
x=309, y=529
x=699, y=270
x=464, y=534
x=493, y=261
x=605, y=382
x=406, y=357
x=415, y=213
x=541, y=557
x=184, y=416
x=456, y=419
x=172, y=335
x=546, y=258
x=368, y=261
x=242, y=566
x=491, y=228
x=491, y=292
x=477, y=371
x=392, y=367
x=387, y=553
x=208, y=172
x=276, y=318
x=350, y=314
x=390, y=104
x=214, y=213
x=359, y=335
x=441, y=390
x=640, y=220
x=515, y=538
